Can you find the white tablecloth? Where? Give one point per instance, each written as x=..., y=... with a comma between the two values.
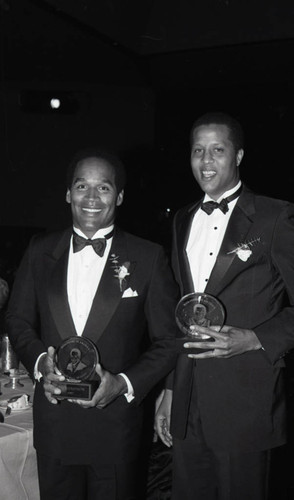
x=18, y=466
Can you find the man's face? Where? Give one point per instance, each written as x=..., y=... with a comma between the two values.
x=214, y=161
x=93, y=195
x=75, y=356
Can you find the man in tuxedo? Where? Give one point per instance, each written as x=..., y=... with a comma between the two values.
x=115, y=289
x=226, y=401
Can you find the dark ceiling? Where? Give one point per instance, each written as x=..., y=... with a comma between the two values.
x=162, y=42
x=191, y=56
x=156, y=26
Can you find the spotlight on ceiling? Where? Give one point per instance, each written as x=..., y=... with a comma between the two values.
x=50, y=101
x=55, y=103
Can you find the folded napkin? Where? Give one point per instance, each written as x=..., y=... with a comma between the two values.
x=17, y=403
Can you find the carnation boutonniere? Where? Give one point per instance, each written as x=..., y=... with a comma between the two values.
x=243, y=250
x=120, y=271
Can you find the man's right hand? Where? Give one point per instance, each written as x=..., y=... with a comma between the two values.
x=51, y=378
x=162, y=418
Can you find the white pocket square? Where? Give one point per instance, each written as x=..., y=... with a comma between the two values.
x=129, y=293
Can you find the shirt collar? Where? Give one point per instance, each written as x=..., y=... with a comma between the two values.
x=99, y=234
x=224, y=195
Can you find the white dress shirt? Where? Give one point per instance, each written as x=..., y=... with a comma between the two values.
x=84, y=273
x=205, y=239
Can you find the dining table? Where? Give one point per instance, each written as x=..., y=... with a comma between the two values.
x=18, y=464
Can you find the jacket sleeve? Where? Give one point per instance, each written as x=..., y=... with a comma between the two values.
x=277, y=333
x=160, y=358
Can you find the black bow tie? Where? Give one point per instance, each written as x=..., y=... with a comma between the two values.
x=209, y=206
x=98, y=244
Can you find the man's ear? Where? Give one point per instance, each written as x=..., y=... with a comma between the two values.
x=120, y=198
x=239, y=156
x=68, y=197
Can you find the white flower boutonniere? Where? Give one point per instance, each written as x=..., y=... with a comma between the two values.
x=120, y=272
x=243, y=250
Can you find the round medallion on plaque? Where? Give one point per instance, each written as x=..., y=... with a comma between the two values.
x=76, y=358
x=198, y=309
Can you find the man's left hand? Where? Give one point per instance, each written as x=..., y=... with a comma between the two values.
x=229, y=341
x=111, y=386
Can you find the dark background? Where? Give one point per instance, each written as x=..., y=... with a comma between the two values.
x=132, y=75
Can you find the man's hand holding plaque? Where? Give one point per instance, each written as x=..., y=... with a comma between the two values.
x=51, y=379
x=195, y=313
x=111, y=387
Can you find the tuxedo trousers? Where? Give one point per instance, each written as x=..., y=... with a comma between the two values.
x=60, y=481
x=205, y=474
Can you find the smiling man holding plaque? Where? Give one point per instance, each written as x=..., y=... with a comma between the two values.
x=105, y=300
x=226, y=399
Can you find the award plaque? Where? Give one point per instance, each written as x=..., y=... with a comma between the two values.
x=76, y=358
x=198, y=309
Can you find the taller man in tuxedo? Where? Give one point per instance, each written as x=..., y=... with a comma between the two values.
x=227, y=401
x=123, y=300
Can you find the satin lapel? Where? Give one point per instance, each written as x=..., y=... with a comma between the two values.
x=108, y=294
x=238, y=227
x=57, y=290
x=182, y=239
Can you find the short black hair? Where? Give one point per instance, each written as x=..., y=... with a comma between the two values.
x=235, y=128
x=101, y=154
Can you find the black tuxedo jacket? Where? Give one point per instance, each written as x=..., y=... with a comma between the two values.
x=241, y=399
x=134, y=335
